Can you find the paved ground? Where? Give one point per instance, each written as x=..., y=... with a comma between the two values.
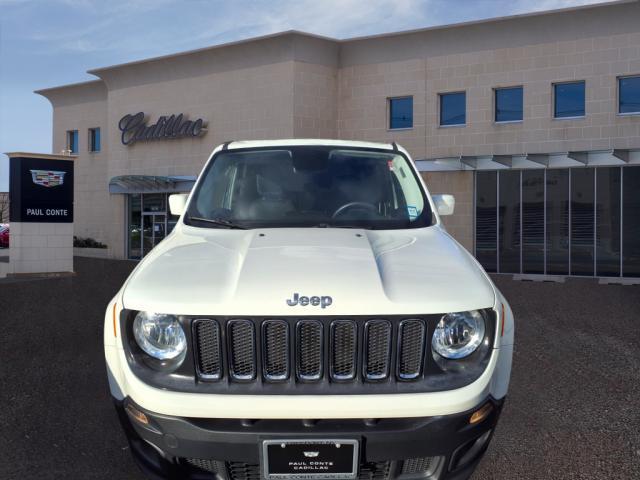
x=573, y=410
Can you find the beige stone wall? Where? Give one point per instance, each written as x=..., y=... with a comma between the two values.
x=97, y=214
x=596, y=60
x=315, y=100
x=460, y=185
x=363, y=95
x=41, y=247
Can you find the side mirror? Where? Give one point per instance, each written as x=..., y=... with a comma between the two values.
x=444, y=204
x=177, y=203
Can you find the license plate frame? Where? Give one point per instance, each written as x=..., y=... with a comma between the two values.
x=311, y=448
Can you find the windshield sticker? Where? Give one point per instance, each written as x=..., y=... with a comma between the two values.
x=412, y=211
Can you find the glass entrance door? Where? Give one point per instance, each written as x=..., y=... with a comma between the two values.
x=148, y=223
x=153, y=230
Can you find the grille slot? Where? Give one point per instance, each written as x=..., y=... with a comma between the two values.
x=208, y=358
x=309, y=343
x=213, y=466
x=343, y=350
x=421, y=465
x=411, y=348
x=243, y=471
x=242, y=350
x=275, y=337
x=377, y=340
x=375, y=471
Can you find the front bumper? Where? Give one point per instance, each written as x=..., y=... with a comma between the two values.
x=441, y=447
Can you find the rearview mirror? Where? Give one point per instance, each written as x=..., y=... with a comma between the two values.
x=444, y=204
x=177, y=203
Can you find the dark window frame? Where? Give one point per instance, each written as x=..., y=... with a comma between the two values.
x=92, y=143
x=440, y=97
x=495, y=104
x=390, y=101
x=70, y=142
x=554, y=111
x=619, y=98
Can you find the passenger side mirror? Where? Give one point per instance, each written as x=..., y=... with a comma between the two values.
x=177, y=203
x=444, y=204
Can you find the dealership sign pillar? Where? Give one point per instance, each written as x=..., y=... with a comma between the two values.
x=40, y=214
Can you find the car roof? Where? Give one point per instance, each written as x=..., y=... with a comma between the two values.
x=290, y=142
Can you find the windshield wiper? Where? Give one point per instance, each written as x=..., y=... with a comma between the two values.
x=221, y=222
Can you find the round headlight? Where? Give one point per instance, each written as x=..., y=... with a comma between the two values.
x=159, y=335
x=457, y=335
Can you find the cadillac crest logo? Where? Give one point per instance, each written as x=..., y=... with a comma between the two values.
x=47, y=178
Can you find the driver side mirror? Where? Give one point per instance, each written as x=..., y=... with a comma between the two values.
x=177, y=203
x=445, y=204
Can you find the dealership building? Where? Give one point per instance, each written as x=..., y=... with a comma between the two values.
x=531, y=121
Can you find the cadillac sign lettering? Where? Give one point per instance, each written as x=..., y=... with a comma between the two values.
x=47, y=178
x=134, y=128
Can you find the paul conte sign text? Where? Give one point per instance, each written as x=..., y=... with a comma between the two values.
x=40, y=190
x=134, y=128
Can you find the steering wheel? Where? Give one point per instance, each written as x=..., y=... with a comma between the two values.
x=363, y=205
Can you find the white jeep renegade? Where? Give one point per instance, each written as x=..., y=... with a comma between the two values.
x=309, y=317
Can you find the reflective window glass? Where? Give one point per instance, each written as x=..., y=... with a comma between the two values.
x=509, y=221
x=582, y=221
x=629, y=94
x=631, y=221
x=569, y=100
x=453, y=108
x=557, y=213
x=533, y=221
x=401, y=112
x=608, y=221
x=135, y=220
x=508, y=104
x=486, y=219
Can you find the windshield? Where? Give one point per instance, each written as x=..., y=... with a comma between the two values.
x=309, y=187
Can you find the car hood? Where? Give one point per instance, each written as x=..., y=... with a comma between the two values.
x=197, y=271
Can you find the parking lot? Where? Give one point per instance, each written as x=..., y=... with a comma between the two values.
x=573, y=409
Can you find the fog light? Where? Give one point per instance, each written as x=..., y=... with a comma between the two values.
x=136, y=414
x=480, y=414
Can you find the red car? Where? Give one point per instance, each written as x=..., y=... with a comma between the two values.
x=4, y=236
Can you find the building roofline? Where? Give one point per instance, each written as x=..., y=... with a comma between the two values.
x=45, y=91
x=46, y=156
x=98, y=71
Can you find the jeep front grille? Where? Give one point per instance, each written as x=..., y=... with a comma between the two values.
x=242, y=350
x=275, y=350
x=309, y=350
x=207, y=334
x=411, y=346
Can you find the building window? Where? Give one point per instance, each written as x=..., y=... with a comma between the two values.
x=629, y=94
x=453, y=109
x=400, y=113
x=579, y=221
x=94, y=139
x=508, y=104
x=72, y=141
x=568, y=100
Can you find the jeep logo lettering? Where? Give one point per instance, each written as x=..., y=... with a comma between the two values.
x=323, y=302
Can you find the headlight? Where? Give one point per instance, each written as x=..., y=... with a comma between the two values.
x=159, y=335
x=457, y=335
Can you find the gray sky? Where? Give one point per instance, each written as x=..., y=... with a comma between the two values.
x=46, y=43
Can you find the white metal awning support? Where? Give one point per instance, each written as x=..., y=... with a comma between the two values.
x=150, y=184
x=576, y=158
